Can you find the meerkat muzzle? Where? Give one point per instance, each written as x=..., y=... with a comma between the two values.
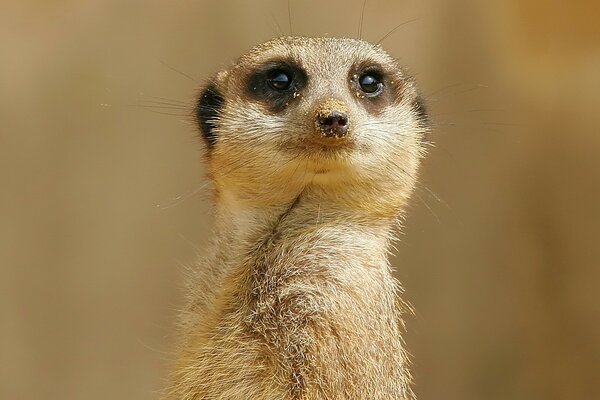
x=332, y=119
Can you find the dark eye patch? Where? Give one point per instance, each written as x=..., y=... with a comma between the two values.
x=276, y=83
x=376, y=86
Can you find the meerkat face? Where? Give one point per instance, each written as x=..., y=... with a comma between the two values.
x=336, y=116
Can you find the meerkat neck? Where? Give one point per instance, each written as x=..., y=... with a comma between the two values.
x=246, y=227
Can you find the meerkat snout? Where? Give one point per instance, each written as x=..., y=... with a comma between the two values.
x=332, y=120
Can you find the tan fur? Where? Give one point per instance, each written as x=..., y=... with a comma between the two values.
x=295, y=299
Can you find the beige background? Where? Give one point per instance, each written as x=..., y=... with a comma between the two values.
x=500, y=255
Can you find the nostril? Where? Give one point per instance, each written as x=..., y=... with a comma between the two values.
x=340, y=119
x=335, y=119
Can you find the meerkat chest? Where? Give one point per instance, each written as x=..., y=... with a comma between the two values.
x=327, y=315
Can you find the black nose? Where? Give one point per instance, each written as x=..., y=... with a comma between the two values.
x=334, y=125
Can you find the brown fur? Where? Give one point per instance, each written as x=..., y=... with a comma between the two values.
x=295, y=299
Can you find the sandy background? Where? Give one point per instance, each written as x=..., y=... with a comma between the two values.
x=500, y=255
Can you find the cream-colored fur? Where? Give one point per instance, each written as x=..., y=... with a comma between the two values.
x=295, y=299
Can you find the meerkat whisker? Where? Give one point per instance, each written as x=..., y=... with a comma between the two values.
x=396, y=28
x=177, y=71
x=362, y=17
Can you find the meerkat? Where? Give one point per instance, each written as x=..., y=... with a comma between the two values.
x=313, y=146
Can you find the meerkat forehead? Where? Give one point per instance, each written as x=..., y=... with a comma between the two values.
x=330, y=54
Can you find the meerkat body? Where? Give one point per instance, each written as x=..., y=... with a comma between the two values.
x=313, y=146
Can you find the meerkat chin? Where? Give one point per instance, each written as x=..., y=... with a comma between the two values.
x=313, y=146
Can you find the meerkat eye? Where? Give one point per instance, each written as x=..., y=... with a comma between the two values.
x=280, y=80
x=370, y=83
x=277, y=83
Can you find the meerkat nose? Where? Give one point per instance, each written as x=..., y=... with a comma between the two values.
x=334, y=124
x=332, y=119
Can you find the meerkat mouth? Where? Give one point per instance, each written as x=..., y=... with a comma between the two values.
x=327, y=165
x=327, y=147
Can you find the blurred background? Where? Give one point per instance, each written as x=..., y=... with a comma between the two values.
x=103, y=206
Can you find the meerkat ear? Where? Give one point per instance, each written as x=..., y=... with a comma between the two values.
x=208, y=109
x=420, y=108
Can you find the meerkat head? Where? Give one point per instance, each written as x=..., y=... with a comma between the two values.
x=335, y=117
